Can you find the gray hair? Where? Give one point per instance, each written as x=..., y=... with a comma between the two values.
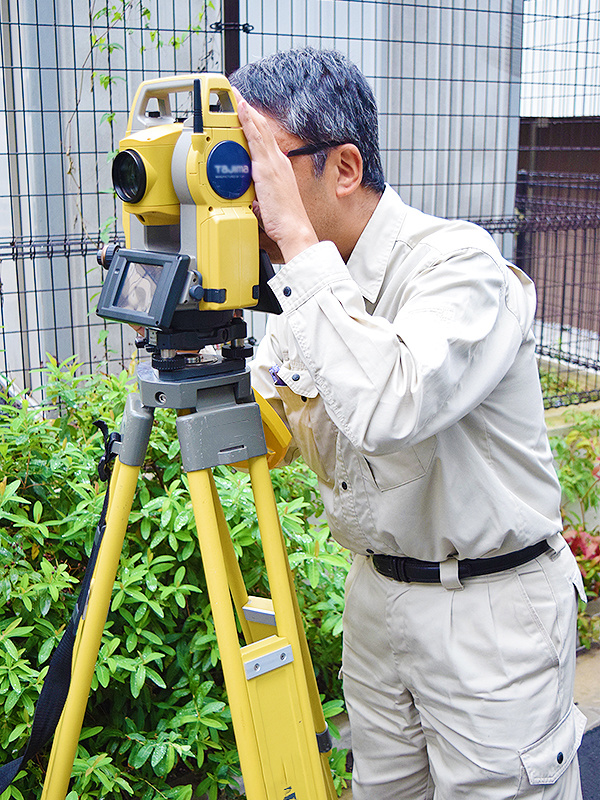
x=319, y=96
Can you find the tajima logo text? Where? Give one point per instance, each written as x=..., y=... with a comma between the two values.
x=235, y=169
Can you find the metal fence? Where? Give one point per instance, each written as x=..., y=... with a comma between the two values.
x=448, y=80
x=558, y=244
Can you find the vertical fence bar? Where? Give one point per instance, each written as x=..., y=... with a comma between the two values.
x=231, y=35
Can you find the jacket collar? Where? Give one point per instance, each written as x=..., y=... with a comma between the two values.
x=371, y=255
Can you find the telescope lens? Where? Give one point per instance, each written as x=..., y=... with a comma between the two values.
x=129, y=176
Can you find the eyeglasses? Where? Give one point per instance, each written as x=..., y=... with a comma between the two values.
x=310, y=149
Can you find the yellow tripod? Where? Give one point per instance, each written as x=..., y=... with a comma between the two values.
x=280, y=730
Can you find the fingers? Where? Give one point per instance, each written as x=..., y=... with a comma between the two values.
x=281, y=212
x=249, y=118
x=259, y=135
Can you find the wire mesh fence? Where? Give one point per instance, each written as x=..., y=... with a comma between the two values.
x=449, y=80
x=70, y=71
x=558, y=244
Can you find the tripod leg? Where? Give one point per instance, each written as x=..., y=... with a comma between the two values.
x=236, y=582
x=255, y=614
x=266, y=681
x=136, y=431
x=285, y=601
x=207, y=523
x=89, y=636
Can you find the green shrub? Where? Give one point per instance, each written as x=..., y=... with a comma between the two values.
x=157, y=723
x=554, y=383
x=577, y=459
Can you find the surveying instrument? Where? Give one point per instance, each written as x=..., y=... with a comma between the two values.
x=191, y=261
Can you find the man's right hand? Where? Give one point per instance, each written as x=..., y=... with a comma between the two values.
x=278, y=203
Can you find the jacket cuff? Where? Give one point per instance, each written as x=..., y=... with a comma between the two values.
x=301, y=278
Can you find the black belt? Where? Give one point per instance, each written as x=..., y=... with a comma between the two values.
x=410, y=570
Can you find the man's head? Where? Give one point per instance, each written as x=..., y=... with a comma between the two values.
x=320, y=97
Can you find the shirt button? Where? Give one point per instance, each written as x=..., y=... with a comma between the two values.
x=287, y=291
x=295, y=377
x=560, y=758
x=344, y=485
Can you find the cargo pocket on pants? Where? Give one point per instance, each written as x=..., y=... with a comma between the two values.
x=546, y=760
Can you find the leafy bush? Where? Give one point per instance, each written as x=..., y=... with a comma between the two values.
x=555, y=384
x=577, y=458
x=157, y=723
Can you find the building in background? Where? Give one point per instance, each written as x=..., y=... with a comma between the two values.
x=559, y=174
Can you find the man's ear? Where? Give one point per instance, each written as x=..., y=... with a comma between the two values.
x=349, y=166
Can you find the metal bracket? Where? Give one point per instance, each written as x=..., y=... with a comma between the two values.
x=253, y=613
x=219, y=27
x=268, y=662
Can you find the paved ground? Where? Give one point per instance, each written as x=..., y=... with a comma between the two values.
x=589, y=764
x=587, y=697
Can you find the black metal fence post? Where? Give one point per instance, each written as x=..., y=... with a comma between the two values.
x=231, y=35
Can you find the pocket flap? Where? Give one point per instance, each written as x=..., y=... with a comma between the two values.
x=405, y=465
x=547, y=759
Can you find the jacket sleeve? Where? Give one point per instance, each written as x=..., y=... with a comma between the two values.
x=389, y=382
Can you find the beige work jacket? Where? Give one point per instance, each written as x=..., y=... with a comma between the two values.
x=409, y=382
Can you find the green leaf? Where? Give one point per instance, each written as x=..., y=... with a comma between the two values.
x=314, y=573
x=155, y=677
x=103, y=675
x=179, y=576
x=166, y=513
x=87, y=733
x=46, y=650
x=118, y=600
x=11, y=701
x=142, y=755
x=183, y=519
x=17, y=731
x=158, y=754
x=11, y=649
x=137, y=680
x=37, y=511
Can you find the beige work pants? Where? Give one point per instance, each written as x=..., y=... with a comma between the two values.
x=463, y=693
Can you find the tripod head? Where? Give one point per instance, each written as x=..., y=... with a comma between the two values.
x=191, y=260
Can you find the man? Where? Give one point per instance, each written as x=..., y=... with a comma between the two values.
x=404, y=366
